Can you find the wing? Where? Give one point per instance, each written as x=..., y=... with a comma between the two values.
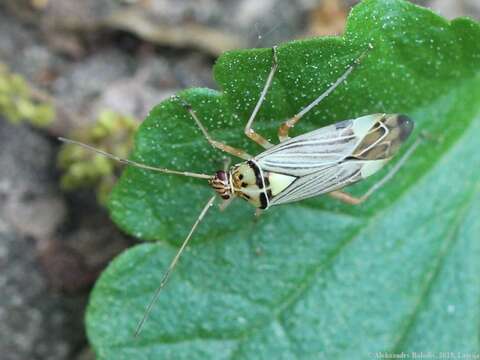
x=318, y=149
x=326, y=159
x=321, y=182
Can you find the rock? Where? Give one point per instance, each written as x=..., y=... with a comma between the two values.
x=30, y=203
x=36, y=324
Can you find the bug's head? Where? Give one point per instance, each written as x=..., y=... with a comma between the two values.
x=220, y=182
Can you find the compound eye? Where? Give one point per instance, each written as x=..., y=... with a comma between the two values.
x=221, y=175
x=225, y=197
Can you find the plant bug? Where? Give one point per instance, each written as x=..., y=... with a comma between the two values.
x=322, y=161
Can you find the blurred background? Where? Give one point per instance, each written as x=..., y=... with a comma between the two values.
x=92, y=70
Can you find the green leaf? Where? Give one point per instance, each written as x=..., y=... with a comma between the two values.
x=314, y=279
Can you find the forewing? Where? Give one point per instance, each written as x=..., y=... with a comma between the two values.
x=320, y=161
x=317, y=150
x=323, y=181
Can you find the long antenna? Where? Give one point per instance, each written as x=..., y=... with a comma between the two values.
x=166, y=276
x=134, y=163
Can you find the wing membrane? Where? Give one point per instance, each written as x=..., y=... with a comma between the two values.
x=321, y=182
x=320, y=160
x=318, y=149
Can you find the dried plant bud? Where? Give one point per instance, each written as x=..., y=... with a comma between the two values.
x=111, y=132
x=18, y=101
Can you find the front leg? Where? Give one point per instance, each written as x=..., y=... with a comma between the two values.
x=215, y=143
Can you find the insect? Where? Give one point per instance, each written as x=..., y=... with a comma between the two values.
x=323, y=161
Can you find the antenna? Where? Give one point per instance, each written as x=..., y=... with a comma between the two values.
x=174, y=261
x=134, y=163
x=166, y=276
